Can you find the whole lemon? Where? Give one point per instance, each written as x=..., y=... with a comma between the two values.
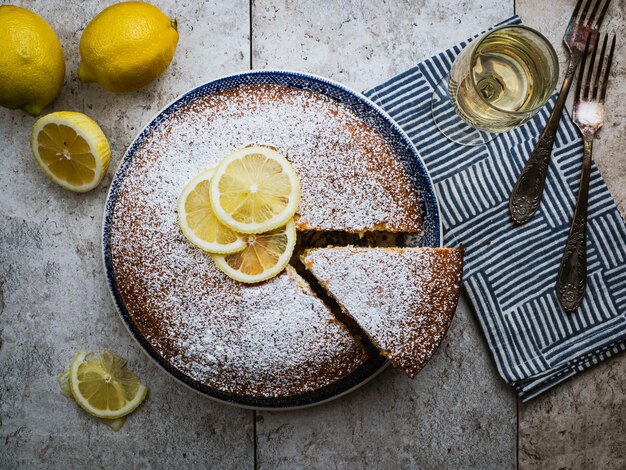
x=32, y=67
x=127, y=46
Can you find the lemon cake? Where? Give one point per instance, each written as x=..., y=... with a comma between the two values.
x=271, y=339
x=403, y=299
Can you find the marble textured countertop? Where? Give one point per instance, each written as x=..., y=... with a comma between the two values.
x=457, y=413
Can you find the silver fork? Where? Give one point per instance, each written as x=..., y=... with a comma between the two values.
x=589, y=117
x=526, y=195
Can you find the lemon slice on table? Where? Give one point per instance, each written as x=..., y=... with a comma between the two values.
x=71, y=149
x=254, y=190
x=197, y=220
x=64, y=384
x=265, y=255
x=103, y=386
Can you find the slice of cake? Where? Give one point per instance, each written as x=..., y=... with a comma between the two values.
x=402, y=298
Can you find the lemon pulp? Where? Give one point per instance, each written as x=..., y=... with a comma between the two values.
x=71, y=149
x=103, y=386
x=255, y=190
x=64, y=384
x=198, y=222
x=265, y=255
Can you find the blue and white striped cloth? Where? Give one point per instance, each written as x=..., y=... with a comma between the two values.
x=510, y=271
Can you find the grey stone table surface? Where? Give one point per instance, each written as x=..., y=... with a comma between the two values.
x=457, y=413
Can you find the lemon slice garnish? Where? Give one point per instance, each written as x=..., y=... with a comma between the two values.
x=103, y=386
x=71, y=149
x=254, y=190
x=265, y=255
x=198, y=222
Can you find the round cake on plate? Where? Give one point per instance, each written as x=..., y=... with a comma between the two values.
x=274, y=343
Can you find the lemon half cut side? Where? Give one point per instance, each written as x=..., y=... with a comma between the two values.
x=71, y=149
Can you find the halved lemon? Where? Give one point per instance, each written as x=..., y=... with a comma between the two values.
x=197, y=220
x=103, y=386
x=254, y=190
x=71, y=149
x=266, y=255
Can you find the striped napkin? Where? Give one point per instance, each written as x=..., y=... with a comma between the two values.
x=511, y=270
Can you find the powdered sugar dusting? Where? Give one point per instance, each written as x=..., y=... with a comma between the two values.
x=351, y=179
x=403, y=298
x=270, y=339
x=276, y=338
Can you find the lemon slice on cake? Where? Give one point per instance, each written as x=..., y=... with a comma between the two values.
x=198, y=222
x=254, y=190
x=103, y=386
x=71, y=149
x=265, y=255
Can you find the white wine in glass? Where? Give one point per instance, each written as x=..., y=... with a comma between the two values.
x=498, y=83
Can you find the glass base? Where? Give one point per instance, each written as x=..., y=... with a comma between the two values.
x=450, y=124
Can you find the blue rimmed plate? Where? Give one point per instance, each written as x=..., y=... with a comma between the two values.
x=360, y=106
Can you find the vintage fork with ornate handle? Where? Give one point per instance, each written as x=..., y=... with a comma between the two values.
x=589, y=117
x=526, y=195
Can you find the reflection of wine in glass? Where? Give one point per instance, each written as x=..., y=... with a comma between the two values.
x=508, y=73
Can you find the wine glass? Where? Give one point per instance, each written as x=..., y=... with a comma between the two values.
x=497, y=83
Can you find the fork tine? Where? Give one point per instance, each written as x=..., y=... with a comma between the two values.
x=601, y=17
x=582, y=70
x=607, y=71
x=583, y=15
x=575, y=14
x=591, y=64
x=599, y=71
x=593, y=12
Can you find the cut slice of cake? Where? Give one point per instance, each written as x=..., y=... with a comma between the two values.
x=402, y=298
